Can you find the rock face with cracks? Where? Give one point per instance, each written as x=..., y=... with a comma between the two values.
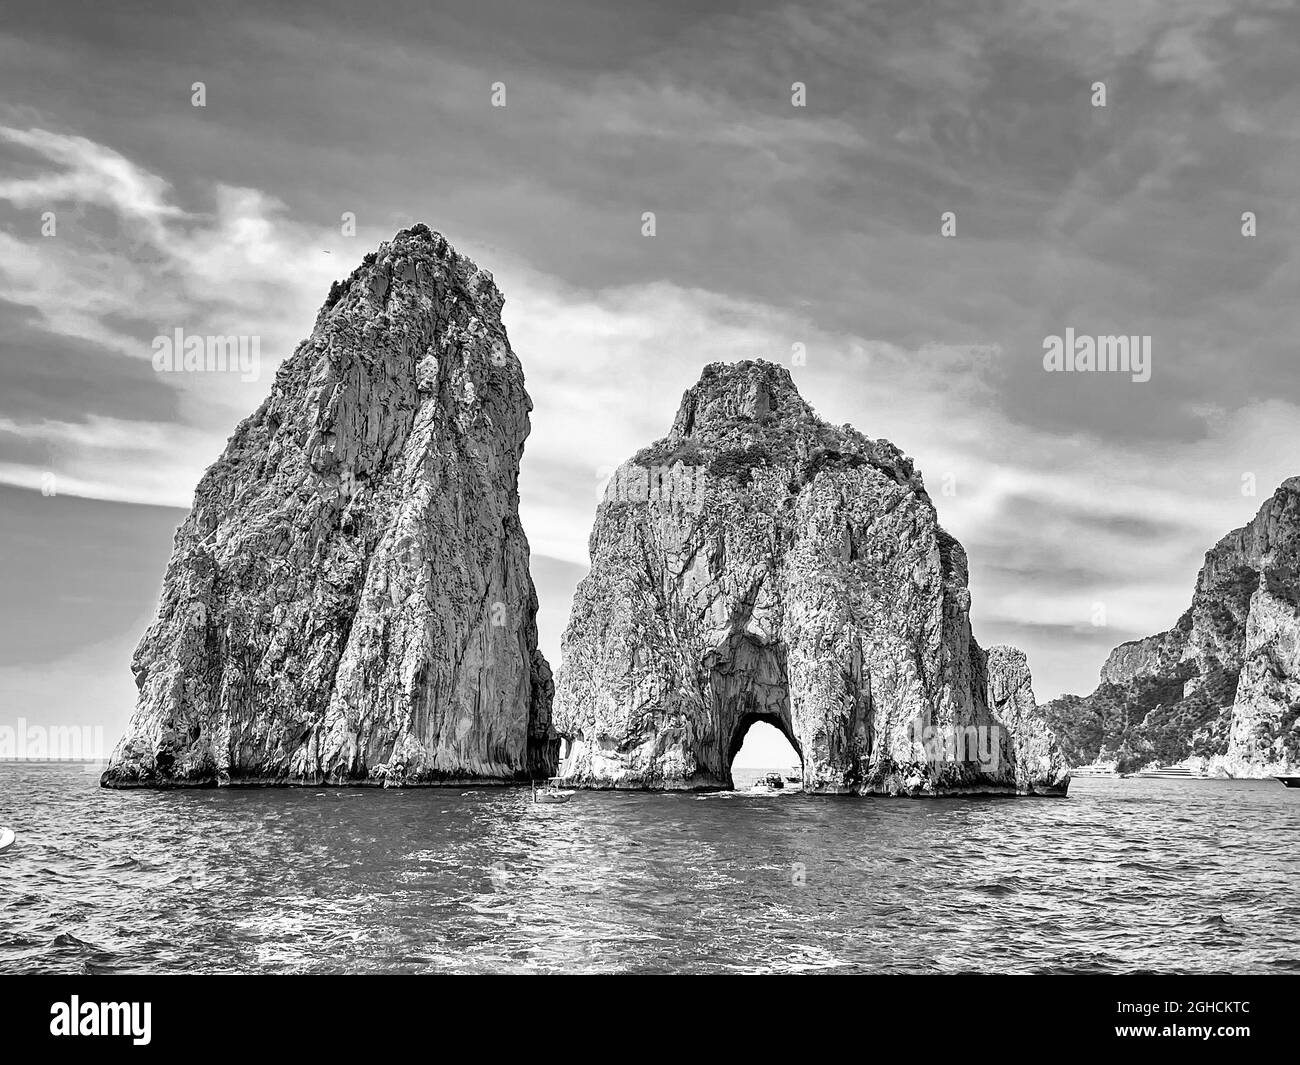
x=758, y=564
x=349, y=600
x=1223, y=685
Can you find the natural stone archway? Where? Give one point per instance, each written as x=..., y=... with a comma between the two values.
x=745, y=734
x=759, y=564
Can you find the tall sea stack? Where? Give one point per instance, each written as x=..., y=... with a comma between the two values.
x=758, y=564
x=349, y=600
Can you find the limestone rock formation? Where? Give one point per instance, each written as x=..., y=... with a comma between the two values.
x=758, y=564
x=1223, y=685
x=1010, y=696
x=1141, y=658
x=349, y=600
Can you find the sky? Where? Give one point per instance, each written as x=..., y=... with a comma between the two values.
x=809, y=235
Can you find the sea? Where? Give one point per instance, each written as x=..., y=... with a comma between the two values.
x=1169, y=876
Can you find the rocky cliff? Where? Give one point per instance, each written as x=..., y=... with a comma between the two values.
x=1223, y=685
x=349, y=600
x=758, y=564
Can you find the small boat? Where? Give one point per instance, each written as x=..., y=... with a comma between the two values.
x=1290, y=782
x=551, y=792
x=7, y=838
x=1094, y=770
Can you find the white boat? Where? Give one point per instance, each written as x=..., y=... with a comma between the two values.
x=1094, y=770
x=1180, y=771
x=551, y=792
x=7, y=838
x=774, y=784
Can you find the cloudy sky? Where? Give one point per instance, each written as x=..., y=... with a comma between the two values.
x=1079, y=497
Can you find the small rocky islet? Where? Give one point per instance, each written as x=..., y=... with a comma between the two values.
x=349, y=600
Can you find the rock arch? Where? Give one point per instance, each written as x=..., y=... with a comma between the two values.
x=805, y=582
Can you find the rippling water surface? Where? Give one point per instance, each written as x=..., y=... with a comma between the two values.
x=1123, y=875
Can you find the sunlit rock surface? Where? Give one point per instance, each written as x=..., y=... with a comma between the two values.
x=758, y=564
x=349, y=600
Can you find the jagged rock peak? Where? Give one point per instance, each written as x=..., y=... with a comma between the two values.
x=727, y=392
x=750, y=413
x=349, y=600
x=419, y=243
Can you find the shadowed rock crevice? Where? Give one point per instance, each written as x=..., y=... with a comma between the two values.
x=792, y=572
x=747, y=680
